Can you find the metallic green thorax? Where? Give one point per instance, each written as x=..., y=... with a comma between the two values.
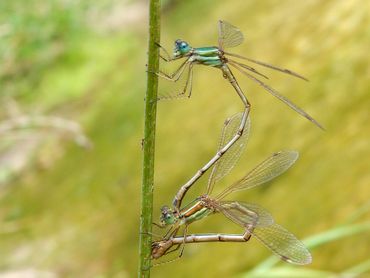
x=208, y=56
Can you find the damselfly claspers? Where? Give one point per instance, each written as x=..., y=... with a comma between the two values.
x=216, y=56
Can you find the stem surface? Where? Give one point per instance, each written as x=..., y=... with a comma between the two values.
x=149, y=141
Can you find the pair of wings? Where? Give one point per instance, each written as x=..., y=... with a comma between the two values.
x=273, y=236
x=270, y=168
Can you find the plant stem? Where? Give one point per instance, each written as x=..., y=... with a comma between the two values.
x=149, y=141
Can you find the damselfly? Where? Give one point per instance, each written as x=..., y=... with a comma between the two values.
x=216, y=56
x=254, y=219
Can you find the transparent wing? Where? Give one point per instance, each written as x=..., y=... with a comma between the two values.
x=228, y=35
x=245, y=214
x=232, y=155
x=246, y=67
x=283, y=243
x=283, y=70
x=272, y=167
x=278, y=96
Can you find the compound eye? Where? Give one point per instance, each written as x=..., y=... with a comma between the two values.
x=178, y=43
x=183, y=45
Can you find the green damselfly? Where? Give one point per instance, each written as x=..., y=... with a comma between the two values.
x=255, y=220
x=216, y=56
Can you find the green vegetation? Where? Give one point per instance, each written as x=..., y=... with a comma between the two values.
x=75, y=212
x=148, y=143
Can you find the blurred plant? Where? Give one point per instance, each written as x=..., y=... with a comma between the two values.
x=21, y=134
x=150, y=114
x=34, y=35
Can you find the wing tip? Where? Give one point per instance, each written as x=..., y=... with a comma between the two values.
x=294, y=153
x=303, y=261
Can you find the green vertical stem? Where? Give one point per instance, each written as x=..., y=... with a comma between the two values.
x=149, y=141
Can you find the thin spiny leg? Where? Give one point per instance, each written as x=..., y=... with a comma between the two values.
x=171, y=232
x=171, y=260
x=168, y=58
x=166, y=253
x=190, y=79
x=152, y=234
x=182, y=93
x=173, y=250
x=175, y=76
x=158, y=225
x=183, y=242
x=168, y=232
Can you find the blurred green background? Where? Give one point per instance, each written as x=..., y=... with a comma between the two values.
x=72, y=80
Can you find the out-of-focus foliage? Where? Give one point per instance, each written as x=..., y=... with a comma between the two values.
x=34, y=37
x=75, y=212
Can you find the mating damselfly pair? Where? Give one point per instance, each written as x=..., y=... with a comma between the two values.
x=254, y=219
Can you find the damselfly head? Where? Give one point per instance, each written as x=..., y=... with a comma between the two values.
x=167, y=216
x=181, y=48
